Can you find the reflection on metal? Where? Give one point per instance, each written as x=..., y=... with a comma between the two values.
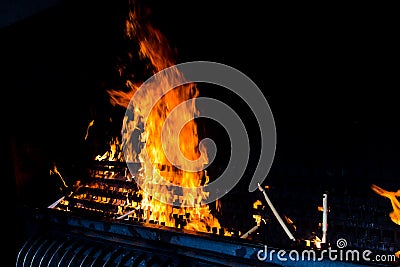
x=70, y=241
x=73, y=241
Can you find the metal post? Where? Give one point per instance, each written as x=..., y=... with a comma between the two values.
x=287, y=231
x=324, y=217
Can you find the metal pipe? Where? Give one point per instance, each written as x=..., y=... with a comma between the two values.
x=252, y=230
x=287, y=231
x=52, y=206
x=126, y=214
x=324, y=217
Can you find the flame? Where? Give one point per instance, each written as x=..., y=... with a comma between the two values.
x=257, y=219
x=393, y=196
x=55, y=171
x=397, y=254
x=155, y=51
x=114, y=153
x=256, y=204
x=87, y=129
x=290, y=221
x=317, y=242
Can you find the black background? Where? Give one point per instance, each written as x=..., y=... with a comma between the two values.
x=328, y=73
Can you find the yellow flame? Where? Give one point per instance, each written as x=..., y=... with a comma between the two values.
x=256, y=204
x=258, y=219
x=55, y=171
x=290, y=221
x=114, y=153
x=87, y=129
x=155, y=51
x=393, y=197
x=317, y=242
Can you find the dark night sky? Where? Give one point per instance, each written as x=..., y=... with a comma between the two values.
x=328, y=74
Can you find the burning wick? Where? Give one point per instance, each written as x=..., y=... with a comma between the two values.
x=287, y=231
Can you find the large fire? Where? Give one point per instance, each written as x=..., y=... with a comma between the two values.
x=156, y=52
x=393, y=197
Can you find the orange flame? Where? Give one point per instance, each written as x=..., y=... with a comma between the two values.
x=290, y=221
x=393, y=196
x=155, y=51
x=114, y=153
x=87, y=129
x=256, y=204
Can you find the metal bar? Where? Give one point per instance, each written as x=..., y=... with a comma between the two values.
x=78, y=254
x=62, y=245
x=47, y=250
x=22, y=253
x=38, y=250
x=67, y=252
x=163, y=242
x=252, y=230
x=101, y=256
x=85, y=261
x=324, y=218
x=126, y=214
x=126, y=258
x=113, y=255
x=52, y=206
x=33, y=246
x=277, y=216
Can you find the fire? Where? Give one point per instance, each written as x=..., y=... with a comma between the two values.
x=188, y=212
x=87, y=129
x=257, y=219
x=290, y=222
x=114, y=153
x=393, y=196
x=55, y=171
x=317, y=242
x=256, y=204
